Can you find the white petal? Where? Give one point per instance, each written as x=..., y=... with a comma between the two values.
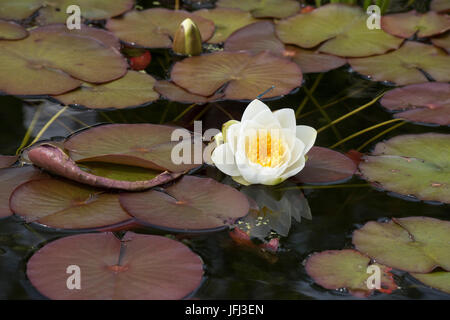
x=286, y=118
x=232, y=135
x=267, y=120
x=223, y=158
x=253, y=109
x=295, y=168
x=241, y=180
x=307, y=135
x=297, y=151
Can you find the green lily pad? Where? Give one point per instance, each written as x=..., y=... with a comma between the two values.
x=155, y=28
x=415, y=165
x=226, y=21
x=172, y=92
x=442, y=41
x=133, y=89
x=339, y=27
x=407, y=24
x=439, y=280
x=18, y=9
x=48, y=62
x=440, y=5
x=137, y=267
x=424, y=102
x=192, y=204
x=142, y=145
x=263, y=8
x=244, y=75
x=12, y=31
x=413, y=244
x=7, y=161
x=65, y=205
x=405, y=65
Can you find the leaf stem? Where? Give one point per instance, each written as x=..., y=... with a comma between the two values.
x=305, y=100
x=48, y=124
x=184, y=112
x=30, y=129
x=380, y=135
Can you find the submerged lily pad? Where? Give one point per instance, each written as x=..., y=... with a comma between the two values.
x=425, y=102
x=244, y=75
x=143, y=267
x=439, y=280
x=405, y=65
x=442, y=41
x=65, y=205
x=48, y=62
x=155, y=28
x=440, y=5
x=12, y=31
x=413, y=165
x=414, y=244
x=407, y=24
x=134, y=89
x=172, y=92
x=263, y=9
x=192, y=204
x=7, y=161
x=340, y=26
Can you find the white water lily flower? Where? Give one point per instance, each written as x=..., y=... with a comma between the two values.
x=265, y=147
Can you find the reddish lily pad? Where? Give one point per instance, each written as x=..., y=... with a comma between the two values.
x=439, y=280
x=142, y=145
x=442, y=41
x=414, y=165
x=405, y=65
x=263, y=9
x=425, y=102
x=155, y=28
x=134, y=89
x=414, y=244
x=244, y=75
x=172, y=92
x=65, y=205
x=208, y=206
x=7, y=161
x=440, y=5
x=12, y=31
x=407, y=24
x=143, y=267
x=325, y=166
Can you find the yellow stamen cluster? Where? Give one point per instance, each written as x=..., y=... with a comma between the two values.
x=265, y=148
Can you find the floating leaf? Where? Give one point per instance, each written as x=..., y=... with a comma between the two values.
x=340, y=26
x=244, y=75
x=263, y=9
x=439, y=280
x=442, y=41
x=7, y=161
x=192, y=204
x=440, y=5
x=12, y=31
x=155, y=28
x=143, y=267
x=172, y=92
x=405, y=65
x=413, y=165
x=18, y=9
x=142, y=145
x=134, y=89
x=413, y=244
x=407, y=24
x=48, y=62
x=325, y=166
x=425, y=102
x=313, y=61
x=66, y=205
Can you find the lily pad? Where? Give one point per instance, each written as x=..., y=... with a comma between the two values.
x=143, y=267
x=339, y=27
x=48, y=62
x=406, y=65
x=18, y=9
x=442, y=41
x=66, y=205
x=440, y=5
x=226, y=21
x=439, y=280
x=192, y=204
x=325, y=166
x=414, y=165
x=12, y=31
x=106, y=175
x=172, y=92
x=265, y=8
x=425, y=102
x=142, y=145
x=7, y=161
x=413, y=244
x=336, y=269
x=155, y=28
x=244, y=75
x=134, y=89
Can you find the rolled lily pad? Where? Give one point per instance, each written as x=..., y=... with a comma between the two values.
x=65, y=205
x=12, y=31
x=340, y=26
x=7, y=161
x=192, y=204
x=134, y=89
x=138, y=267
x=325, y=166
x=48, y=62
x=407, y=24
x=413, y=165
x=226, y=21
x=142, y=145
x=109, y=176
x=414, y=244
x=405, y=65
x=10, y=179
x=440, y=5
x=263, y=9
x=336, y=269
x=439, y=280
x=172, y=92
x=442, y=41
x=155, y=28
x=425, y=102
x=244, y=75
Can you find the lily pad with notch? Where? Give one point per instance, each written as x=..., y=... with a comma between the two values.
x=263, y=9
x=172, y=92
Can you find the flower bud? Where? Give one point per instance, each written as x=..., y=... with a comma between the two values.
x=187, y=40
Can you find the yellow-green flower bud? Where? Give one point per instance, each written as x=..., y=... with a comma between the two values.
x=187, y=40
